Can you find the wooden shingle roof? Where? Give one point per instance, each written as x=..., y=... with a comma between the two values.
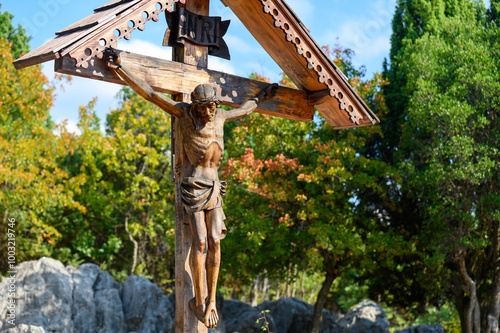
x=78, y=50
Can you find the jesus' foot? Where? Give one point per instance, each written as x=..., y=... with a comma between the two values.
x=199, y=311
x=211, y=317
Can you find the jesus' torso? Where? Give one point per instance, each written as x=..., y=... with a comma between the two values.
x=203, y=144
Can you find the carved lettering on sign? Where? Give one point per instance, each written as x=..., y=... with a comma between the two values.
x=202, y=30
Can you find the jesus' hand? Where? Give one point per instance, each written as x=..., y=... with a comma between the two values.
x=113, y=60
x=270, y=90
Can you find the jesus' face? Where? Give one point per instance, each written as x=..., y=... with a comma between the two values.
x=206, y=112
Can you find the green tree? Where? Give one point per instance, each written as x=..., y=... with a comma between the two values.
x=302, y=181
x=32, y=183
x=16, y=36
x=412, y=19
x=494, y=11
x=450, y=159
x=99, y=242
x=126, y=190
x=137, y=181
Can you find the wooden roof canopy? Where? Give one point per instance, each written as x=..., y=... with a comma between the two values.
x=78, y=50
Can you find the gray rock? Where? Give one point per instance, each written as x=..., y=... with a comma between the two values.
x=23, y=328
x=423, y=329
x=44, y=292
x=83, y=309
x=106, y=281
x=243, y=318
x=329, y=322
x=109, y=308
x=109, y=312
x=292, y=315
x=289, y=314
x=146, y=309
x=54, y=298
x=365, y=317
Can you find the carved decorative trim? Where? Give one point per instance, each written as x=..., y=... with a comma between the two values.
x=131, y=19
x=313, y=62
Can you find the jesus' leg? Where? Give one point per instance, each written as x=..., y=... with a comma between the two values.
x=214, y=227
x=197, y=262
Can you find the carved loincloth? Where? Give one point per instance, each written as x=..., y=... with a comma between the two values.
x=202, y=195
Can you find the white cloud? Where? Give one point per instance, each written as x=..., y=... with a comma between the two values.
x=366, y=38
x=143, y=47
x=263, y=68
x=236, y=44
x=367, y=35
x=71, y=126
x=80, y=92
x=221, y=65
x=369, y=50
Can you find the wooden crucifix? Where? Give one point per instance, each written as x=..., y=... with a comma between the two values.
x=87, y=49
x=199, y=219
x=199, y=148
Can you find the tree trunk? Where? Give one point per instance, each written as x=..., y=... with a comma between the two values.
x=265, y=288
x=472, y=312
x=277, y=289
x=302, y=288
x=460, y=305
x=254, y=292
x=494, y=313
x=287, y=283
x=234, y=294
x=323, y=293
x=294, y=285
x=134, y=262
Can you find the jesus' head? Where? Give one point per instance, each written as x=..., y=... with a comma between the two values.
x=205, y=102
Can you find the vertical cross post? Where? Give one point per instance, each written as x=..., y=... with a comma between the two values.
x=185, y=320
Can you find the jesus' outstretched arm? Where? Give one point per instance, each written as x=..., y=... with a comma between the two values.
x=250, y=105
x=142, y=88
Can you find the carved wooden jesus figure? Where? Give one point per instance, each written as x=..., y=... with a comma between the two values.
x=201, y=129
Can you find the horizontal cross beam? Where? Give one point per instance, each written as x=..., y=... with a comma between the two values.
x=177, y=78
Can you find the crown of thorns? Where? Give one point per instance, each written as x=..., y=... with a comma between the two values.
x=204, y=94
x=204, y=101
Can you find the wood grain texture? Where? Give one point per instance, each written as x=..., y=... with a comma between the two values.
x=69, y=36
x=110, y=4
x=196, y=56
x=272, y=38
x=178, y=78
x=272, y=22
x=281, y=33
x=98, y=18
x=46, y=52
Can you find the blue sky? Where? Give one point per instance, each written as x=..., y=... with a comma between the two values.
x=362, y=25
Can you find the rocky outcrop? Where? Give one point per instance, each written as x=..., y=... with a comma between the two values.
x=365, y=317
x=292, y=315
x=44, y=290
x=145, y=307
x=108, y=303
x=244, y=318
x=423, y=329
x=57, y=299
x=23, y=328
x=54, y=298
